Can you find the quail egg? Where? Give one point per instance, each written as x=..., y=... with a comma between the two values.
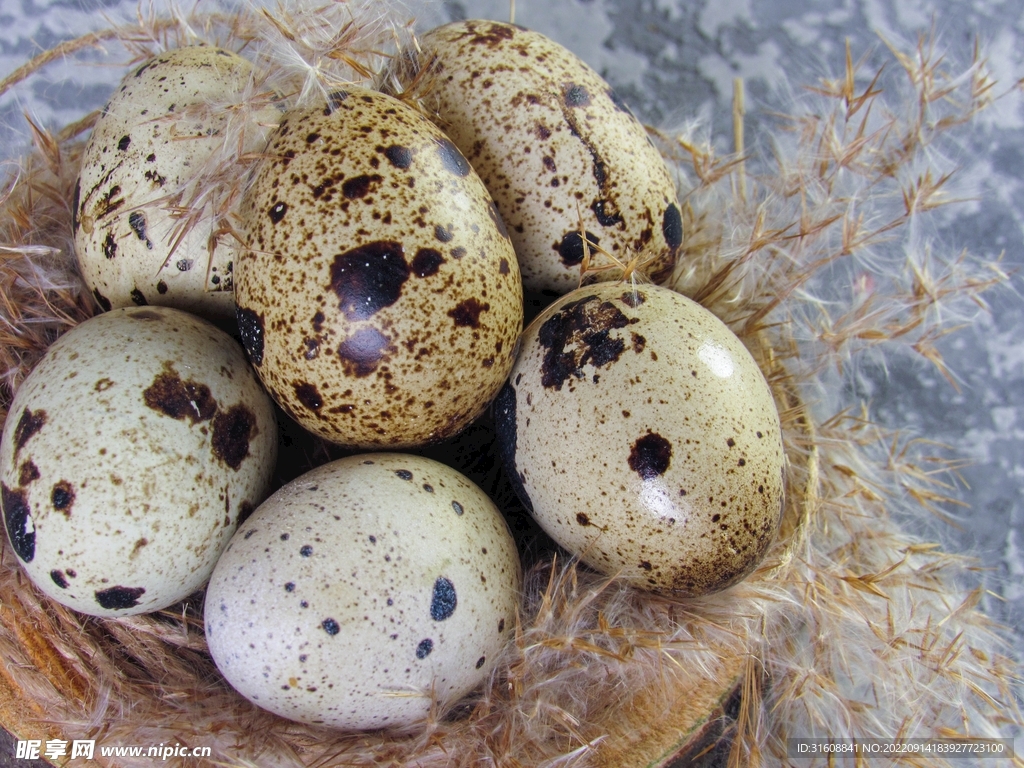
x=363, y=593
x=129, y=456
x=644, y=438
x=553, y=144
x=379, y=296
x=166, y=120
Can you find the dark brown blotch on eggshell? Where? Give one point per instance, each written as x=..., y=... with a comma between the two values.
x=672, y=227
x=171, y=396
x=650, y=456
x=137, y=221
x=119, y=598
x=308, y=395
x=363, y=351
x=277, y=212
x=29, y=423
x=398, y=156
x=28, y=473
x=571, y=249
x=578, y=335
x=102, y=300
x=444, y=599
x=109, y=246
x=250, y=328
x=233, y=430
x=368, y=278
x=18, y=519
x=427, y=261
x=334, y=100
x=575, y=95
x=62, y=497
x=466, y=313
x=360, y=186
x=451, y=158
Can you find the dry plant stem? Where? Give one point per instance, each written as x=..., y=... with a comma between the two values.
x=738, y=114
x=850, y=627
x=144, y=32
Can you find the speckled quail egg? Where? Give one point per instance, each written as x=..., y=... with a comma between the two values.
x=553, y=143
x=129, y=456
x=379, y=297
x=364, y=592
x=644, y=438
x=164, y=122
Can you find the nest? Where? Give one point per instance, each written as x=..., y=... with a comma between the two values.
x=813, y=251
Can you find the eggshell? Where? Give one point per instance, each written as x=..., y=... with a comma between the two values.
x=379, y=298
x=645, y=439
x=153, y=136
x=129, y=456
x=363, y=592
x=553, y=142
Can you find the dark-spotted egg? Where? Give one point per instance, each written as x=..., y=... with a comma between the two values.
x=129, y=456
x=644, y=438
x=379, y=297
x=135, y=243
x=364, y=593
x=554, y=145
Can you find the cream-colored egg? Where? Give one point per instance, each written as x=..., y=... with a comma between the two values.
x=553, y=144
x=165, y=121
x=363, y=592
x=644, y=438
x=129, y=456
x=379, y=298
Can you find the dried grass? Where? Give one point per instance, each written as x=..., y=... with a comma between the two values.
x=811, y=250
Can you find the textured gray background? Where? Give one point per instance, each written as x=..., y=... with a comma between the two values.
x=673, y=61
